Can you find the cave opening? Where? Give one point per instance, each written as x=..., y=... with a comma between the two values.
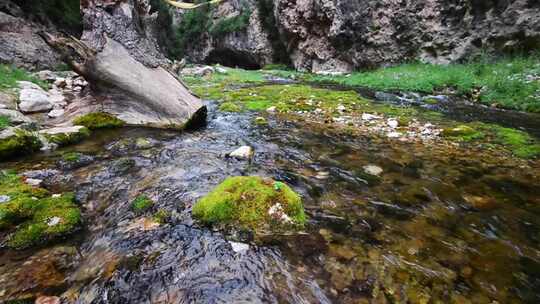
x=232, y=59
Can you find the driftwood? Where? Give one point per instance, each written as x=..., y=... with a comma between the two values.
x=123, y=64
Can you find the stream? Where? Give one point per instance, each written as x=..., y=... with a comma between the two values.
x=438, y=225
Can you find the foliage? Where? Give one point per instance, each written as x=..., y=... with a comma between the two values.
x=141, y=204
x=194, y=24
x=98, y=120
x=231, y=25
x=33, y=215
x=9, y=75
x=244, y=201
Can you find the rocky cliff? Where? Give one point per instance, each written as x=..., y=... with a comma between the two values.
x=344, y=35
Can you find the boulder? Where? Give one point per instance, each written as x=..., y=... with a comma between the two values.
x=65, y=135
x=33, y=100
x=15, y=117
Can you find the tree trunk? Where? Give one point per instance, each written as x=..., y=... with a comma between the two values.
x=120, y=59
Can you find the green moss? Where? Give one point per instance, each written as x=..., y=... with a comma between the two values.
x=71, y=156
x=520, y=143
x=5, y=121
x=431, y=101
x=260, y=121
x=141, y=204
x=463, y=133
x=98, y=121
x=162, y=216
x=63, y=139
x=270, y=67
x=34, y=216
x=229, y=107
x=245, y=201
x=21, y=143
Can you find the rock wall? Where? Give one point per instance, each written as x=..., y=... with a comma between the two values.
x=343, y=35
x=19, y=42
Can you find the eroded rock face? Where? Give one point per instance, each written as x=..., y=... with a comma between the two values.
x=22, y=46
x=343, y=35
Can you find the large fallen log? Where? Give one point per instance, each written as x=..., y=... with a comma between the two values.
x=123, y=64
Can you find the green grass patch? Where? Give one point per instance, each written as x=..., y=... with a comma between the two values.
x=32, y=215
x=141, y=204
x=98, y=121
x=520, y=143
x=9, y=76
x=5, y=121
x=229, y=25
x=245, y=201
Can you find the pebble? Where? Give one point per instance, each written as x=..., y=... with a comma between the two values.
x=368, y=117
x=373, y=170
x=53, y=221
x=244, y=152
x=4, y=198
x=393, y=134
x=239, y=247
x=392, y=123
x=271, y=109
x=33, y=181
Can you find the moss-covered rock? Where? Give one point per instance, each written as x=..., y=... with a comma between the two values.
x=462, y=132
x=141, y=204
x=520, y=143
x=230, y=107
x=98, y=121
x=32, y=215
x=63, y=136
x=16, y=142
x=252, y=203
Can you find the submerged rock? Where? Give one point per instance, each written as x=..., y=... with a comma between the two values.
x=252, y=203
x=65, y=135
x=16, y=142
x=244, y=152
x=373, y=170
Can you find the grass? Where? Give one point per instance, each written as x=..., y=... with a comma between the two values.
x=98, y=121
x=141, y=204
x=503, y=82
x=9, y=76
x=245, y=201
x=32, y=215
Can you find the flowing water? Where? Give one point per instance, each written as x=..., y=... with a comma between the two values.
x=438, y=225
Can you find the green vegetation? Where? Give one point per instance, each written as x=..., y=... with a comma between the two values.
x=246, y=201
x=98, y=121
x=194, y=24
x=71, y=156
x=9, y=76
x=503, y=82
x=272, y=67
x=20, y=143
x=229, y=107
x=5, y=121
x=63, y=139
x=231, y=25
x=162, y=216
x=520, y=143
x=33, y=216
x=141, y=204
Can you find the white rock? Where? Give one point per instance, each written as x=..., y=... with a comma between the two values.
x=4, y=198
x=392, y=123
x=368, y=117
x=341, y=108
x=277, y=212
x=244, y=152
x=57, y=99
x=53, y=221
x=56, y=113
x=373, y=170
x=56, y=195
x=34, y=100
x=239, y=247
x=33, y=181
x=271, y=109
x=221, y=70
x=393, y=134
x=80, y=82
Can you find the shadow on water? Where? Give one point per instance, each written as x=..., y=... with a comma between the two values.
x=434, y=225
